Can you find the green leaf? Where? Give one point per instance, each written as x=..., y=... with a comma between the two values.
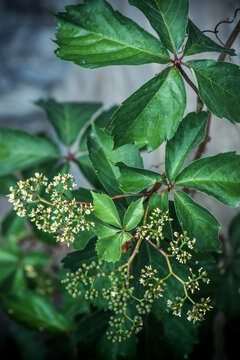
x=152, y=114
x=6, y=182
x=102, y=122
x=198, y=42
x=105, y=209
x=181, y=334
x=104, y=158
x=218, y=176
x=82, y=239
x=68, y=118
x=198, y=222
x=227, y=296
x=115, y=351
x=91, y=327
x=168, y=18
x=86, y=167
x=36, y=312
x=109, y=248
x=133, y=215
x=150, y=256
x=19, y=150
x=133, y=180
x=234, y=232
x=94, y=35
x=190, y=133
x=102, y=230
x=8, y=264
x=74, y=260
x=13, y=226
x=219, y=87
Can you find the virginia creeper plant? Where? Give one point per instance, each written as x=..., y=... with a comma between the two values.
x=141, y=244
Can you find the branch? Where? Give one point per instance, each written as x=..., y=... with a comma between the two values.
x=227, y=21
x=189, y=81
x=193, y=86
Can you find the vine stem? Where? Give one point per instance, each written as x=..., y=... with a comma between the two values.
x=200, y=104
x=136, y=249
x=171, y=272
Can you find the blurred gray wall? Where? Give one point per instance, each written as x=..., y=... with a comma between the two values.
x=29, y=70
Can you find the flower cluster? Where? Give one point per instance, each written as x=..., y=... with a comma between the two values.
x=60, y=215
x=25, y=192
x=177, y=246
x=176, y=307
x=154, y=230
x=193, y=280
x=199, y=310
x=154, y=285
x=117, y=292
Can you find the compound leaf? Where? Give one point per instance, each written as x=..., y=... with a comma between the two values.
x=168, y=18
x=219, y=87
x=198, y=222
x=36, y=312
x=94, y=35
x=104, y=158
x=102, y=121
x=105, y=209
x=190, y=133
x=198, y=42
x=133, y=215
x=152, y=114
x=133, y=180
x=109, y=248
x=86, y=167
x=19, y=150
x=68, y=118
x=218, y=176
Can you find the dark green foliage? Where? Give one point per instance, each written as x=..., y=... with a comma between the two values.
x=140, y=249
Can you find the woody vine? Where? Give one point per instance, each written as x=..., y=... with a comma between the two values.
x=146, y=250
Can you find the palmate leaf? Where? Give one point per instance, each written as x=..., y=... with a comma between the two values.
x=234, y=232
x=9, y=261
x=86, y=167
x=102, y=121
x=181, y=334
x=198, y=222
x=109, y=248
x=152, y=114
x=105, y=209
x=6, y=182
x=190, y=133
x=111, y=239
x=133, y=215
x=68, y=118
x=19, y=150
x=133, y=180
x=218, y=176
x=219, y=87
x=36, y=312
x=198, y=42
x=94, y=35
x=104, y=158
x=13, y=227
x=168, y=18
x=115, y=351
